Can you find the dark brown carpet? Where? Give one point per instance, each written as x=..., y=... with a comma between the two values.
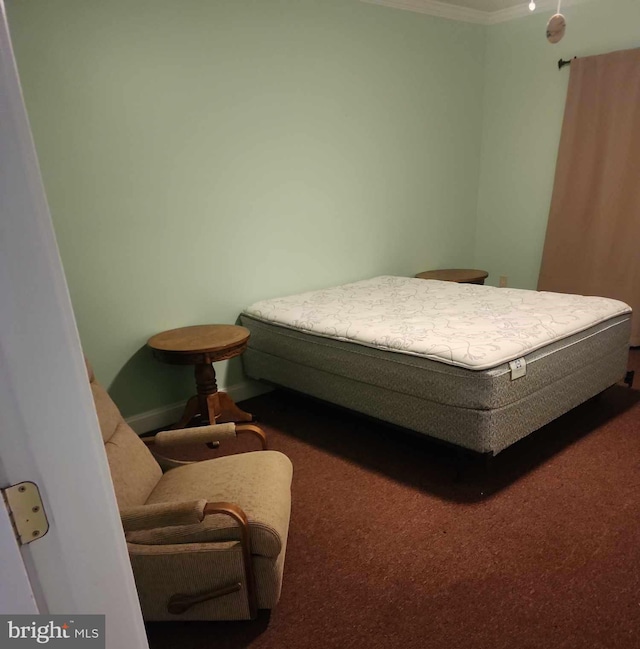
x=387, y=549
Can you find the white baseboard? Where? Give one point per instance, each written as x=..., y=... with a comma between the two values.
x=166, y=415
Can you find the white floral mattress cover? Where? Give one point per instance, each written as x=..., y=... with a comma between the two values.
x=467, y=325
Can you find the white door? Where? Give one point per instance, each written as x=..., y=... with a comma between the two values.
x=16, y=595
x=49, y=432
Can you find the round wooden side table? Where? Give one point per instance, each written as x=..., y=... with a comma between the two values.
x=460, y=275
x=202, y=345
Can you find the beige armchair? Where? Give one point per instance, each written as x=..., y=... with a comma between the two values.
x=207, y=539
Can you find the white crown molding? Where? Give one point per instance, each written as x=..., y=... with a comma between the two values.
x=464, y=14
x=167, y=415
x=435, y=8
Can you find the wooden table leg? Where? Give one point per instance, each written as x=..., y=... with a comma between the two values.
x=229, y=411
x=190, y=411
x=215, y=407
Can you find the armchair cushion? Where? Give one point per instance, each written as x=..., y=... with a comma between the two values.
x=258, y=482
x=133, y=470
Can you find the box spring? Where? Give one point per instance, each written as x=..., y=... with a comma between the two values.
x=481, y=410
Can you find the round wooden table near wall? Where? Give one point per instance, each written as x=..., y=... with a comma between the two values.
x=201, y=346
x=460, y=275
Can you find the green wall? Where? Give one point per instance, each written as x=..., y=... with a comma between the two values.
x=524, y=100
x=200, y=155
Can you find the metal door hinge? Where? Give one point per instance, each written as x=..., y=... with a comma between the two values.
x=26, y=511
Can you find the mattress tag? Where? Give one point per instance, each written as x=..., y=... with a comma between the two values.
x=518, y=368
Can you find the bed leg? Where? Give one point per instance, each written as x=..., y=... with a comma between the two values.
x=461, y=464
x=628, y=378
x=488, y=463
x=470, y=464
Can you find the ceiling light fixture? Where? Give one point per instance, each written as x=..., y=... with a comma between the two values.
x=532, y=5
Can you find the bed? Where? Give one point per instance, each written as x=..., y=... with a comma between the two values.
x=476, y=366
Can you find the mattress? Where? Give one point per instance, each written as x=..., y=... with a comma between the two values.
x=422, y=354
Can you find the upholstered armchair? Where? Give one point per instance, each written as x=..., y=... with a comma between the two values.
x=207, y=539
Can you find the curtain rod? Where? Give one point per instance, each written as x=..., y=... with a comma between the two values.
x=562, y=63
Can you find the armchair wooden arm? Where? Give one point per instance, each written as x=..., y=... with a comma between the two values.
x=252, y=429
x=179, y=603
x=184, y=513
